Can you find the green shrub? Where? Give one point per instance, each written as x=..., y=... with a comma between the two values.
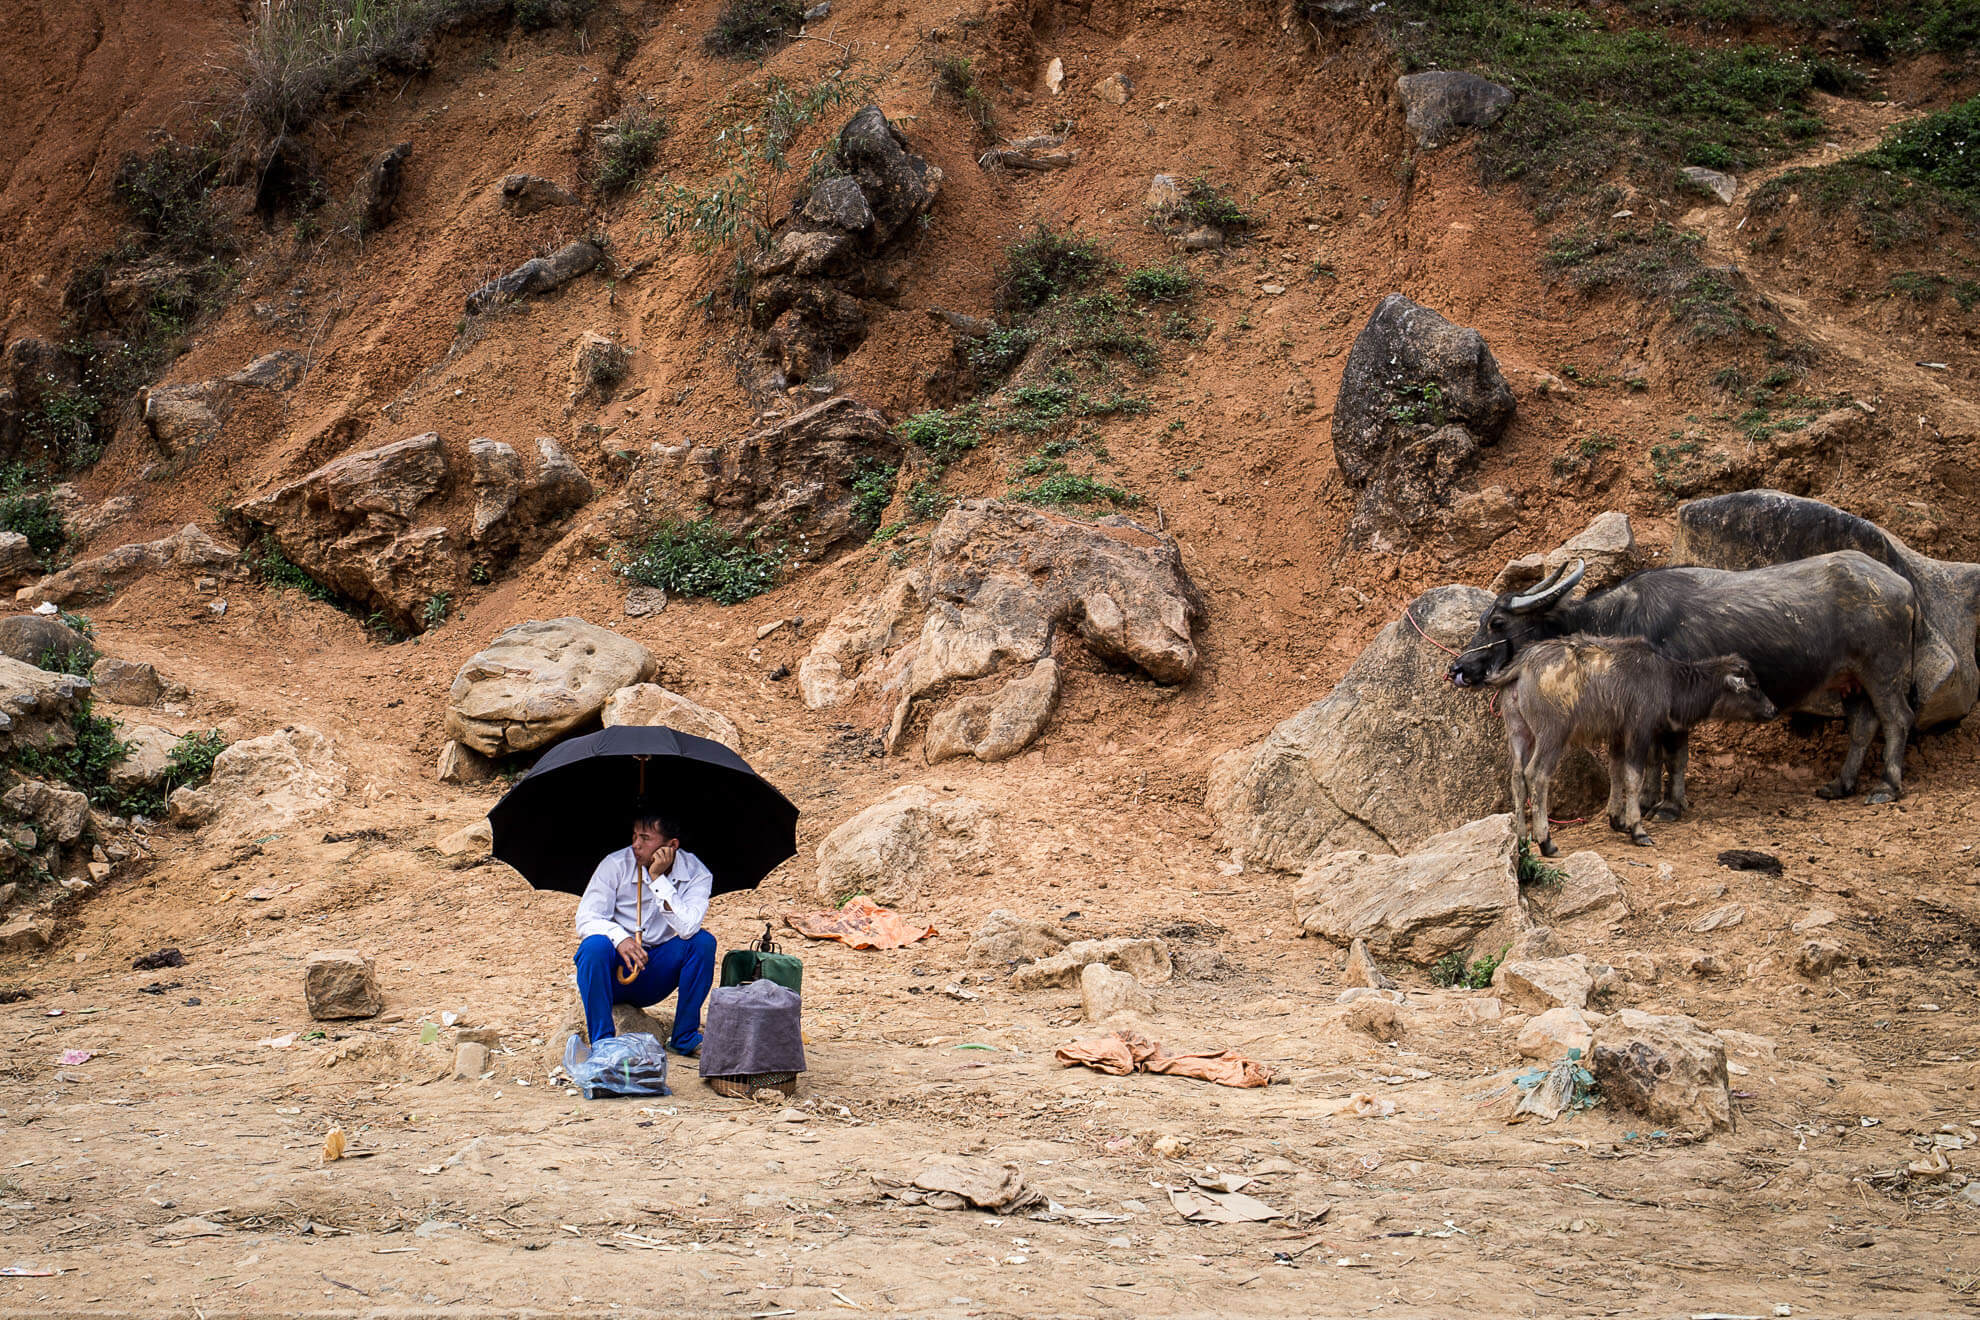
x=943, y=436
x=1452, y=972
x=61, y=431
x=701, y=558
x=998, y=353
x=1531, y=868
x=1942, y=150
x=84, y=766
x=31, y=513
x=753, y=27
x=873, y=490
x=435, y=611
x=79, y=659
x=1045, y=264
x=955, y=78
x=272, y=568
x=1063, y=488
x=168, y=193
x=191, y=760
x=625, y=146
x=926, y=499
x=1160, y=283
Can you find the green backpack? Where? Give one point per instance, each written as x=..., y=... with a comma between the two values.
x=764, y=961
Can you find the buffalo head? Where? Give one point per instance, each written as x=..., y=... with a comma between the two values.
x=1513, y=621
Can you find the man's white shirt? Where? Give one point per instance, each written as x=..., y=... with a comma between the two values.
x=674, y=906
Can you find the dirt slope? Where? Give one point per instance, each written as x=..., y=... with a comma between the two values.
x=719, y=1207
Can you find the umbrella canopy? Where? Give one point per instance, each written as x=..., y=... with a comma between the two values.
x=576, y=805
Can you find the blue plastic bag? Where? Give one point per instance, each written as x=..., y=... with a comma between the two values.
x=632, y=1064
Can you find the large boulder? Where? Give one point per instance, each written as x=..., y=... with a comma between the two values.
x=1440, y=103
x=1755, y=528
x=147, y=757
x=539, y=680
x=864, y=651
x=890, y=850
x=1459, y=892
x=817, y=276
x=1588, y=888
x=1392, y=755
x=41, y=640
x=1539, y=984
x=355, y=526
x=1005, y=582
x=60, y=815
x=1146, y=960
x=38, y=708
x=264, y=784
x=1418, y=397
x=509, y=503
x=793, y=480
x=1669, y=1069
x=189, y=551
x=649, y=703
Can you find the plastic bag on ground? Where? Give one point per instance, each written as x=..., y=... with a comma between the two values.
x=631, y=1064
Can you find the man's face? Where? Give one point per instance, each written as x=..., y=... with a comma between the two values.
x=648, y=839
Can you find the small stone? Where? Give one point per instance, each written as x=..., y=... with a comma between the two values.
x=341, y=983
x=1164, y=194
x=475, y=839
x=26, y=933
x=769, y=628
x=1484, y=1010
x=793, y=1116
x=1720, y=918
x=1170, y=1146
x=1815, y=919
x=1055, y=76
x=525, y=194
x=1146, y=960
x=644, y=601
x=1721, y=186
x=99, y=871
x=126, y=682
x=489, y=1036
x=461, y=764
x=1552, y=982
x=1356, y=993
x=1203, y=238
x=1668, y=1069
x=471, y=1059
x=1817, y=958
x=1114, y=89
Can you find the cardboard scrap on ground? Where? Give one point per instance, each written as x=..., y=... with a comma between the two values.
x=955, y=1184
x=1123, y=1052
x=860, y=924
x=1200, y=1205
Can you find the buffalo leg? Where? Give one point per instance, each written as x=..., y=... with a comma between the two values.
x=1894, y=713
x=1862, y=724
x=1675, y=752
x=1519, y=748
x=1627, y=759
x=1540, y=781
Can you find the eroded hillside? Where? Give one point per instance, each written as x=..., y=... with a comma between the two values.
x=244, y=309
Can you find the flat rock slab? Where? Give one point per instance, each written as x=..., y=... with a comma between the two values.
x=1458, y=892
x=1146, y=960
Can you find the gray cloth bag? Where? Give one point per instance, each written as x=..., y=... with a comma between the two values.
x=752, y=1029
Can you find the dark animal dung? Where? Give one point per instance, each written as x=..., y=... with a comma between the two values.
x=1746, y=859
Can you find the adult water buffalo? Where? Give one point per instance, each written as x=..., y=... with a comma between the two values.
x=1838, y=622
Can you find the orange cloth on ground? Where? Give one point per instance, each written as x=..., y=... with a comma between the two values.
x=861, y=924
x=1123, y=1052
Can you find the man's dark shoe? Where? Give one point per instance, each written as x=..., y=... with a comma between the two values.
x=688, y=1047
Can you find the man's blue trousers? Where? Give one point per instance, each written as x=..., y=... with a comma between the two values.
x=686, y=965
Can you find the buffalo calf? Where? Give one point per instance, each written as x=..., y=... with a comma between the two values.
x=1616, y=694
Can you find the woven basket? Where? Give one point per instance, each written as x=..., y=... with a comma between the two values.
x=742, y=1087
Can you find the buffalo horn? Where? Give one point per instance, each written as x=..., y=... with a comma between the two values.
x=1549, y=591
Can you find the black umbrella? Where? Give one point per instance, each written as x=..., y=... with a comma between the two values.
x=576, y=805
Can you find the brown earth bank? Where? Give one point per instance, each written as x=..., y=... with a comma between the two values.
x=179, y=1169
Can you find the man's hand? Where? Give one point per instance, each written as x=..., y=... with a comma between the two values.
x=663, y=859
x=633, y=954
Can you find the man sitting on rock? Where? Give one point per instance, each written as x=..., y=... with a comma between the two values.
x=640, y=935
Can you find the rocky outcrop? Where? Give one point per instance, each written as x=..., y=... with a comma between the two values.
x=38, y=708
x=1755, y=528
x=1669, y=1069
x=995, y=727
x=893, y=848
x=863, y=654
x=1588, y=889
x=1441, y=103
x=820, y=269
x=147, y=757
x=1005, y=939
x=526, y=194
x=539, y=275
x=371, y=526
x=377, y=197
x=649, y=703
x=1539, y=984
x=792, y=481
x=1392, y=755
x=60, y=815
x=1146, y=960
x=1105, y=993
x=266, y=783
x=181, y=417
x=1459, y=892
x=1007, y=584
x=1551, y=1035
x=598, y=364
x=1418, y=397
x=539, y=680
x=189, y=551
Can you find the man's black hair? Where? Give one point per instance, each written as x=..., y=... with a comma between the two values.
x=646, y=813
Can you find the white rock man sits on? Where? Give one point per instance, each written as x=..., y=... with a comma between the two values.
x=639, y=932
